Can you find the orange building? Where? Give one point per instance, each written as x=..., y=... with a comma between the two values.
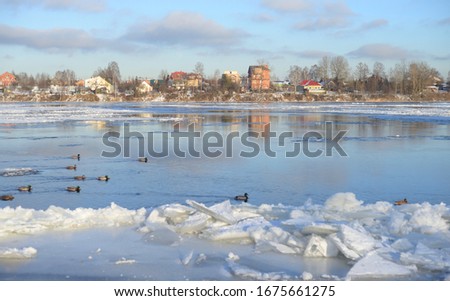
x=259, y=78
x=7, y=79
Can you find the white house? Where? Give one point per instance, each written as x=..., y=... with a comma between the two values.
x=144, y=87
x=97, y=84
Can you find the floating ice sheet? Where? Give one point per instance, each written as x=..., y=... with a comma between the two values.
x=404, y=240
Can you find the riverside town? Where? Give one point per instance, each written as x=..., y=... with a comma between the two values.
x=331, y=79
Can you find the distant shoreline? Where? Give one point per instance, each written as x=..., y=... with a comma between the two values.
x=229, y=97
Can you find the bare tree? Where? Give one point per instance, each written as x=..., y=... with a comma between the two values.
x=378, y=70
x=64, y=78
x=314, y=73
x=163, y=74
x=340, y=70
x=111, y=73
x=295, y=75
x=114, y=73
x=324, y=68
x=199, y=69
x=43, y=80
x=419, y=74
x=399, y=77
x=361, y=76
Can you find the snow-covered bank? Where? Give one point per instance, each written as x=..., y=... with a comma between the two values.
x=227, y=97
x=377, y=241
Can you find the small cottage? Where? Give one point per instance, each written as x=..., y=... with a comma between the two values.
x=310, y=87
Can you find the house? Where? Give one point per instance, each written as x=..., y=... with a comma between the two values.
x=232, y=76
x=194, y=80
x=7, y=79
x=98, y=84
x=259, y=78
x=144, y=87
x=178, y=75
x=178, y=79
x=310, y=87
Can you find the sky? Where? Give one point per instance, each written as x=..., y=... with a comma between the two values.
x=146, y=37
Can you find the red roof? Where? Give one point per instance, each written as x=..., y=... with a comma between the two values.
x=7, y=79
x=308, y=82
x=178, y=75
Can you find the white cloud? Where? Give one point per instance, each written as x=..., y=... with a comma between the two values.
x=52, y=39
x=380, y=51
x=186, y=29
x=288, y=5
x=263, y=18
x=79, y=5
x=374, y=24
x=330, y=15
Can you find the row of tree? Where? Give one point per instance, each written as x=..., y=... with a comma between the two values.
x=333, y=72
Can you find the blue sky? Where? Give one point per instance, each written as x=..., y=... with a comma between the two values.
x=145, y=37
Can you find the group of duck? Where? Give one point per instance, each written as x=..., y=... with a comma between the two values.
x=28, y=188
x=82, y=177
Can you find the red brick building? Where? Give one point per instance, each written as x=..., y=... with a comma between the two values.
x=259, y=78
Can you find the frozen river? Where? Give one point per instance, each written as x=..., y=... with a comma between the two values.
x=322, y=180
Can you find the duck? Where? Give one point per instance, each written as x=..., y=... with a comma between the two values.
x=6, y=197
x=80, y=178
x=24, y=188
x=73, y=189
x=103, y=178
x=72, y=167
x=401, y=202
x=77, y=157
x=243, y=198
x=143, y=160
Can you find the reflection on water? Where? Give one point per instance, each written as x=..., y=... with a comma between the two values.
x=390, y=156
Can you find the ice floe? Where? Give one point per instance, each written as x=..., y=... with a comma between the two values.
x=15, y=253
x=15, y=172
x=381, y=241
x=30, y=221
x=373, y=266
x=377, y=241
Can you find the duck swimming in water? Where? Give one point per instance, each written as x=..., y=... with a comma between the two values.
x=143, y=160
x=24, y=188
x=243, y=198
x=7, y=197
x=73, y=189
x=80, y=178
x=77, y=157
x=401, y=202
x=72, y=167
x=103, y=178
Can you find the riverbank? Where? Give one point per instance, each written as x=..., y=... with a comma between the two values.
x=216, y=97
